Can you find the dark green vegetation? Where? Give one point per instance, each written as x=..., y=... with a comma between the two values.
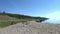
x=7, y=19
x=7, y=23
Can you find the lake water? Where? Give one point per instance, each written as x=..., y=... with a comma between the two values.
x=54, y=21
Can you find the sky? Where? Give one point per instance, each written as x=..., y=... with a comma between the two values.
x=43, y=8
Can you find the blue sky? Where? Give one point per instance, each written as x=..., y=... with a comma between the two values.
x=43, y=8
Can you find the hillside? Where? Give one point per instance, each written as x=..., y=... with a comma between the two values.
x=7, y=19
x=4, y=16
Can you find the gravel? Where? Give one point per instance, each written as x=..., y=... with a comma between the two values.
x=31, y=27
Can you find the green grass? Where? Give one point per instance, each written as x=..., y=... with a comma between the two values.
x=8, y=23
x=4, y=24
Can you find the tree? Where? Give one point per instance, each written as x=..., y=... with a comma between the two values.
x=3, y=12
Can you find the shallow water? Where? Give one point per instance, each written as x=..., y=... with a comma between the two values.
x=53, y=21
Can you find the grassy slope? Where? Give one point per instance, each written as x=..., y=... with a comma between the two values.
x=25, y=16
x=7, y=19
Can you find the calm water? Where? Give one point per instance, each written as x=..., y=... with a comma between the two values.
x=54, y=21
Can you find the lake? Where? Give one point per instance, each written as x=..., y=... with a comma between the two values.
x=54, y=21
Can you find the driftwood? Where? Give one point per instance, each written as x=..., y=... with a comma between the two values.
x=13, y=23
x=39, y=21
x=25, y=22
